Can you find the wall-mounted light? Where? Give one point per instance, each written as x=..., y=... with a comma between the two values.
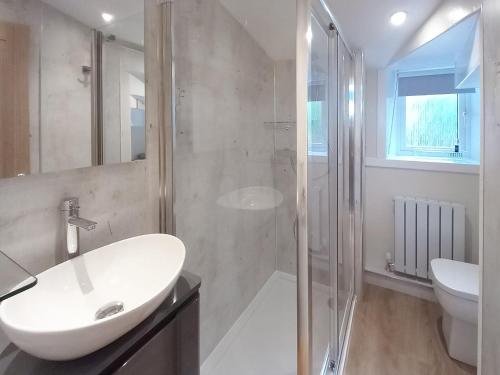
x=107, y=17
x=398, y=18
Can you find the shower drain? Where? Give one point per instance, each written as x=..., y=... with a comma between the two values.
x=109, y=309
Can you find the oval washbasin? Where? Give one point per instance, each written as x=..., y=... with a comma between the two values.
x=82, y=305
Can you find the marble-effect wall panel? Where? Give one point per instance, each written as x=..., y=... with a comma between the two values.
x=59, y=93
x=286, y=182
x=285, y=165
x=65, y=99
x=224, y=86
x=31, y=229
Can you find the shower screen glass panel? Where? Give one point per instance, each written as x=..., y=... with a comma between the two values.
x=235, y=175
x=329, y=188
x=320, y=97
x=345, y=259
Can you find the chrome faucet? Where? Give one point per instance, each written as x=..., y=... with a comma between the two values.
x=73, y=222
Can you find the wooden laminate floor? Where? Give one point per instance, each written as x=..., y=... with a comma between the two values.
x=394, y=333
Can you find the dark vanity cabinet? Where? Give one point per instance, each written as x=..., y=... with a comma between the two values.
x=165, y=343
x=173, y=350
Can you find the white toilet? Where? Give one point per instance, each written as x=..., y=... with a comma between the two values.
x=456, y=285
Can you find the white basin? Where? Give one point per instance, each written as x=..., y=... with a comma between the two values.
x=56, y=319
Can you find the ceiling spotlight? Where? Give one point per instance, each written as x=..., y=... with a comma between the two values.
x=398, y=18
x=107, y=17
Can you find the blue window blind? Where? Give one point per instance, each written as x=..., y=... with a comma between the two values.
x=435, y=84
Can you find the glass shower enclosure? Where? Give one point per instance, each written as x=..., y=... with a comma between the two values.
x=261, y=167
x=330, y=182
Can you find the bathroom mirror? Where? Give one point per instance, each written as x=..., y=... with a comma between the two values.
x=72, y=85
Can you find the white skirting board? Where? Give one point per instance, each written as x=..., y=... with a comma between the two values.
x=400, y=284
x=347, y=343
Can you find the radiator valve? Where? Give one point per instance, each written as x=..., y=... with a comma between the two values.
x=389, y=264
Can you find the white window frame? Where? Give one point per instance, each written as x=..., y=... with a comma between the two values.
x=389, y=139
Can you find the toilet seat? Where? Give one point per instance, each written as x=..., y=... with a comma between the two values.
x=457, y=278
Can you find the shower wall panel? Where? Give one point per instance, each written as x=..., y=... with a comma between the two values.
x=286, y=178
x=65, y=47
x=286, y=165
x=223, y=145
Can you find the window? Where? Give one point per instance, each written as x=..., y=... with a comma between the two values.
x=432, y=119
x=317, y=119
x=318, y=133
x=431, y=123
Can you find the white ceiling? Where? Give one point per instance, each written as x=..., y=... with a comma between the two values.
x=270, y=22
x=128, y=22
x=444, y=50
x=365, y=25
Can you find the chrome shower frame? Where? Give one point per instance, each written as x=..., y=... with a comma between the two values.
x=336, y=352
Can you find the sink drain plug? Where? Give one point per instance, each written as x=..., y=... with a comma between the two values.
x=109, y=309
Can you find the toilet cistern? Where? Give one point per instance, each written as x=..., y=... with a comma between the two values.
x=73, y=222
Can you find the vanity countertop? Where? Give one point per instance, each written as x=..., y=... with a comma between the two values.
x=15, y=362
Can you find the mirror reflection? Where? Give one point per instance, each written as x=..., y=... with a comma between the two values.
x=72, y=88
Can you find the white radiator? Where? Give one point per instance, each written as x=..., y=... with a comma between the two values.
x=424, y=230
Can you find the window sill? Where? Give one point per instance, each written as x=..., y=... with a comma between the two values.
x=440, y=165
x=317, y=153
x=317, y=157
